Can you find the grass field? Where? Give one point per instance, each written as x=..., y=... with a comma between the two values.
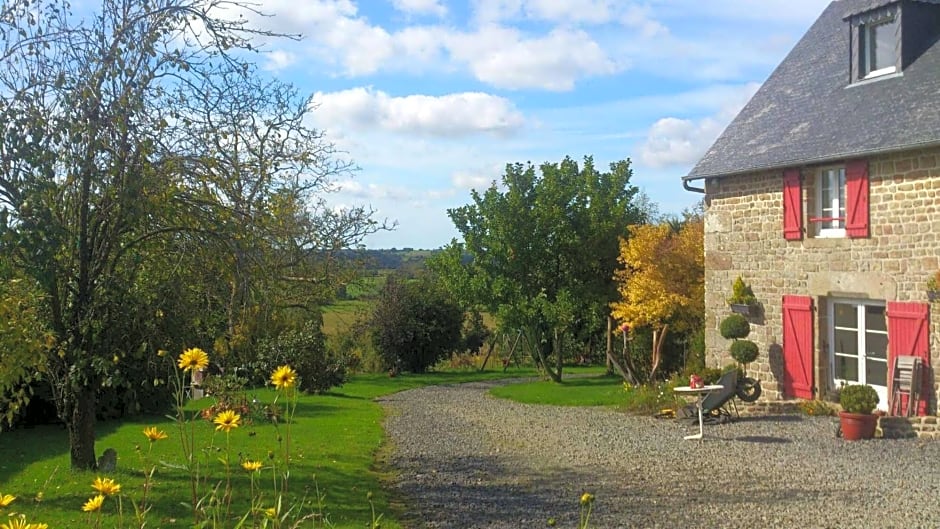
x=335, y=440
x=600, y=390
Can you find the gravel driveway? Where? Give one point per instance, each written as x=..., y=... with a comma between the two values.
x=468, y=460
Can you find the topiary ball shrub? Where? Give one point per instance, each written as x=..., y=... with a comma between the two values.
x=858, y=398
x=744, y=351
x=734, y=326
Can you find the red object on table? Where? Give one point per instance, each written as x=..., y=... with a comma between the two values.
x=696, y=382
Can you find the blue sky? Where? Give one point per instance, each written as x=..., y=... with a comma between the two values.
x=431, y=98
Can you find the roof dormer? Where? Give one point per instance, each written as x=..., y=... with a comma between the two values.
x=888, y=35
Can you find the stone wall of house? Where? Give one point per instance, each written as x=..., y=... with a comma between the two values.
x=744, y=236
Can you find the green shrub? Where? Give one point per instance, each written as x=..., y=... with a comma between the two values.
x=303, y=349
x=858, y=398
x=734, y=326
x=415, y=324
x=648, y=399
x=744, y=351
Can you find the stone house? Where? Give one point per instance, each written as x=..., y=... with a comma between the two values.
x=823, y=194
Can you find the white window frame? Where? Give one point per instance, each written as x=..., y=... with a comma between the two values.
x=868, y=43
x=862, y=330
x=831, y=228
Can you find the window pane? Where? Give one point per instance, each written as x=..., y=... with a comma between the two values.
x=876, y=344
x=875, y=318
x=847, y=368
x=883, y=37
x=845, y=315
x=876, y=372
x=846, y=342
x=841, y=204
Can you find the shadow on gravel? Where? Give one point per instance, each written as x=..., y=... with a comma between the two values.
x=772, y=418
x=763, y=439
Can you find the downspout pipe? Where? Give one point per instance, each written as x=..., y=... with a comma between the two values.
x=685, y=184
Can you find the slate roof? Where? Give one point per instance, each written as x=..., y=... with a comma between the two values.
x=807, y=111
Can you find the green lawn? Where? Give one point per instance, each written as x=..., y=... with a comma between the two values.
x=335, y=440
x=599, y=390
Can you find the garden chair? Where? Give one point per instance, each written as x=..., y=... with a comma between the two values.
x=717, y=406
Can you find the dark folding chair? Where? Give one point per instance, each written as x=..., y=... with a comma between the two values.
x=717, y=405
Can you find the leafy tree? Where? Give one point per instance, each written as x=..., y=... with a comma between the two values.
x=543, y=249
x=135, y=146
x=23, y=341
x=662, y=281
x=415, y=324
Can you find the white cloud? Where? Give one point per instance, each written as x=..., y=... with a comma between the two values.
x=673, y=141
x=479, y=179
x=279, y=60
x=567, y=12
x=420, y=7
x=451, y=115
x=676, y=142
x=504, y=58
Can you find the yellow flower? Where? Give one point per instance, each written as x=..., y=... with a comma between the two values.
x=587, y=498
x=227, y=420
x=37, y=526
x=106, y=486
x=251, y=466
x=193, y=359
x=270, y=512
x=94, y=504
x=6, y=499
x=18, y=522
x=283, y=377
x=153, y=434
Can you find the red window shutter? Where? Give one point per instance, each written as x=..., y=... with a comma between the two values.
x=908, y=334
x=798, y=346
x=856, y=198
x=792, y=205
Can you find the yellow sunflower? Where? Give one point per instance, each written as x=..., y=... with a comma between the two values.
x=94, y=504
x=251, y=466
x=227, y=420
x=194, y=359
x=18, y=522
x=587, y=498
x=283, y=377
x=106, y=486
x=153, y=434
x=6, y=499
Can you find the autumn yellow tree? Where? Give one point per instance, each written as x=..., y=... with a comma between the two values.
x=661, y=280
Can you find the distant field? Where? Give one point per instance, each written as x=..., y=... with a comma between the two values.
x=339, y=316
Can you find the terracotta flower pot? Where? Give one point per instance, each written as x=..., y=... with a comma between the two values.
x=857, y=426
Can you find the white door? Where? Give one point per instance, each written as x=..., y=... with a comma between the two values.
x=858, y=345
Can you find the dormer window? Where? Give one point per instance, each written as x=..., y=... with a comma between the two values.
x=878, y=43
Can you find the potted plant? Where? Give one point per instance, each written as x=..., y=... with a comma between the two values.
x=857, y=419
x=933, y=286
x=742, y=297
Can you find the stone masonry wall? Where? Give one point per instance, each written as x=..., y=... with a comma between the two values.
x=744, y=236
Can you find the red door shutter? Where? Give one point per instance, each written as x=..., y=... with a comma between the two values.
x=798, y=346
x=856, y=198
x=908, y=334
x=792, y=205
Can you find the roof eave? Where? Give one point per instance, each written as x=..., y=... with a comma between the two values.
x=815, y=161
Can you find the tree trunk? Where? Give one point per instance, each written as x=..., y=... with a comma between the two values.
x=559, y=359
x=610, y=345
x=658, y=339
x=81, y=428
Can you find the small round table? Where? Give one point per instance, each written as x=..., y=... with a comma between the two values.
x=700, y=393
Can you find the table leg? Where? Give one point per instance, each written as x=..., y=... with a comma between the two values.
x=701, y=427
